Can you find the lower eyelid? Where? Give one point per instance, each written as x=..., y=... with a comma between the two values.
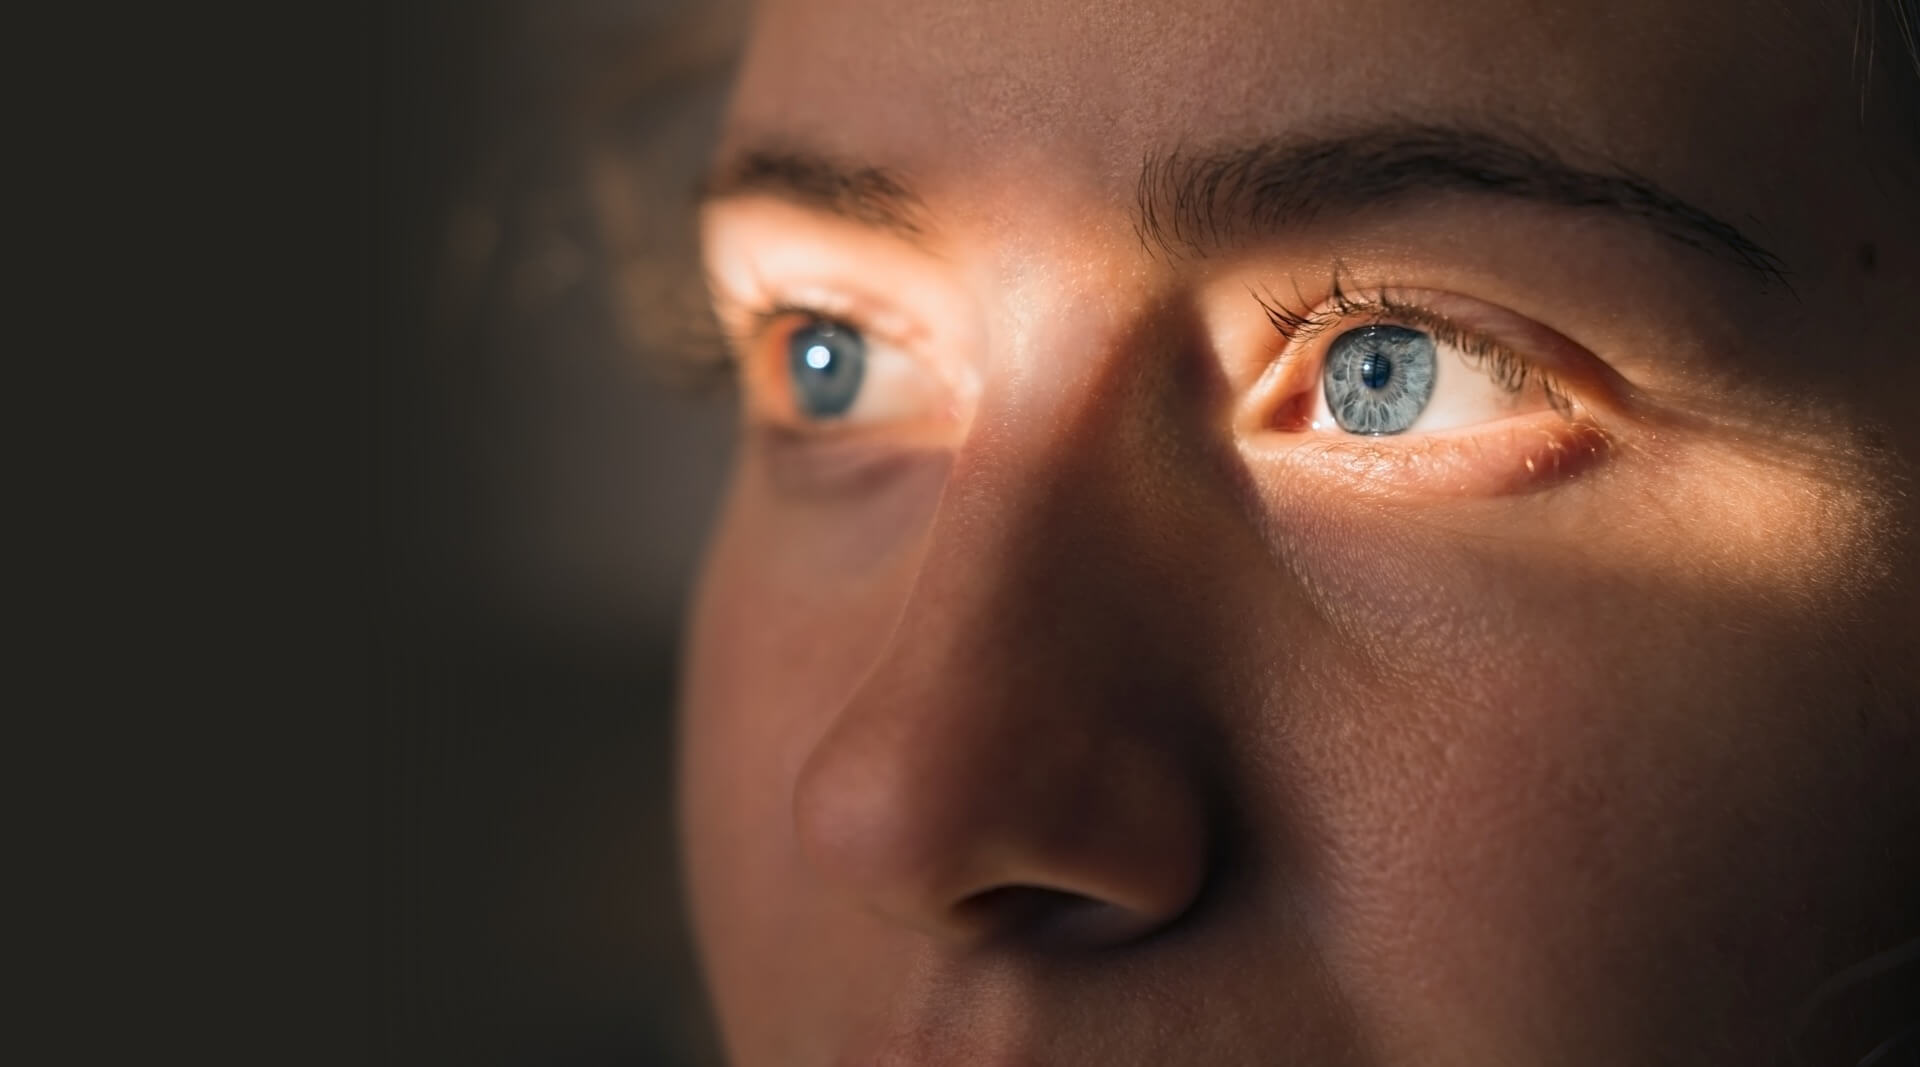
x=838, y=468
x=1521, y=454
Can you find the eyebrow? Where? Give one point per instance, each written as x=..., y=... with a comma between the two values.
x=1197, y=204
x=871, y=196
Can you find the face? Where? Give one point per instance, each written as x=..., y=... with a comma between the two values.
x=1313, y=533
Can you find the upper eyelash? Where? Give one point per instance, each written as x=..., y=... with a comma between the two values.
x=742, y=328
x=1506, y=368
x=757, y=321
x=761, y=320
x=743, y=323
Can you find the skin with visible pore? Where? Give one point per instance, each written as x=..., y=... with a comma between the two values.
x=1086, y=690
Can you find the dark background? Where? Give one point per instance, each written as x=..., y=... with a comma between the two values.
x=546, y=461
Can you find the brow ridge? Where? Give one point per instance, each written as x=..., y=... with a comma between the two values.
x=1200, y=203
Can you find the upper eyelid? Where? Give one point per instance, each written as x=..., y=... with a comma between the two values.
x=1484, y=349
x=748, y=319
x=749, y=345
x=1377, y=305
x=1296, y=324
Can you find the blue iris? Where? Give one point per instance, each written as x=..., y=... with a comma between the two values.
x=1378, y=378
x=826, y=361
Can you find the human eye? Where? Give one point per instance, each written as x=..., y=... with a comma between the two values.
x=1427, y=389
x=828, y=371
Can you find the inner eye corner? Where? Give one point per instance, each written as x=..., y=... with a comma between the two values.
x=1283, y=406
x=1294, y=413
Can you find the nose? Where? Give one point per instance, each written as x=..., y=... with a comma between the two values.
x=1027, y=758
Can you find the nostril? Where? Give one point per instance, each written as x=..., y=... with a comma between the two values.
x=954, y=816
x=1052, y=918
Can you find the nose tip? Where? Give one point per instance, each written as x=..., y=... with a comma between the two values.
x=967, y=837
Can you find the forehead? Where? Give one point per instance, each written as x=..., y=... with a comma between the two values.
x=1690, y=92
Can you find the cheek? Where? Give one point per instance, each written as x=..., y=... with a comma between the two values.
x=792, y=608
x=747, y=712
x=795, y=603
x=1545, y=777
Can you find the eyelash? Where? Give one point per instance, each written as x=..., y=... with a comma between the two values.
x=756, y=324
x=740, y=328
x=1502, y=365
x=761, y=321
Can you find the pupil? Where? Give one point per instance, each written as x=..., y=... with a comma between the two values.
x=1375, y=370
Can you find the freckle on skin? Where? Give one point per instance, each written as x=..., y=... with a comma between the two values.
x=1869, y=257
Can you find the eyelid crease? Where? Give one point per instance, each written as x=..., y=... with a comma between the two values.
x=749, y=323
x=758, y=323
x=1505, y=367
x=746, y=315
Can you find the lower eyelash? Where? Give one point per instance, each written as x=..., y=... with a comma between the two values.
x=1502, y=365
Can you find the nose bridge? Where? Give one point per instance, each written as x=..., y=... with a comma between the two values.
x=1067, y=524
x=1059, y=545
x=1027, y=727
x=1080, y=494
